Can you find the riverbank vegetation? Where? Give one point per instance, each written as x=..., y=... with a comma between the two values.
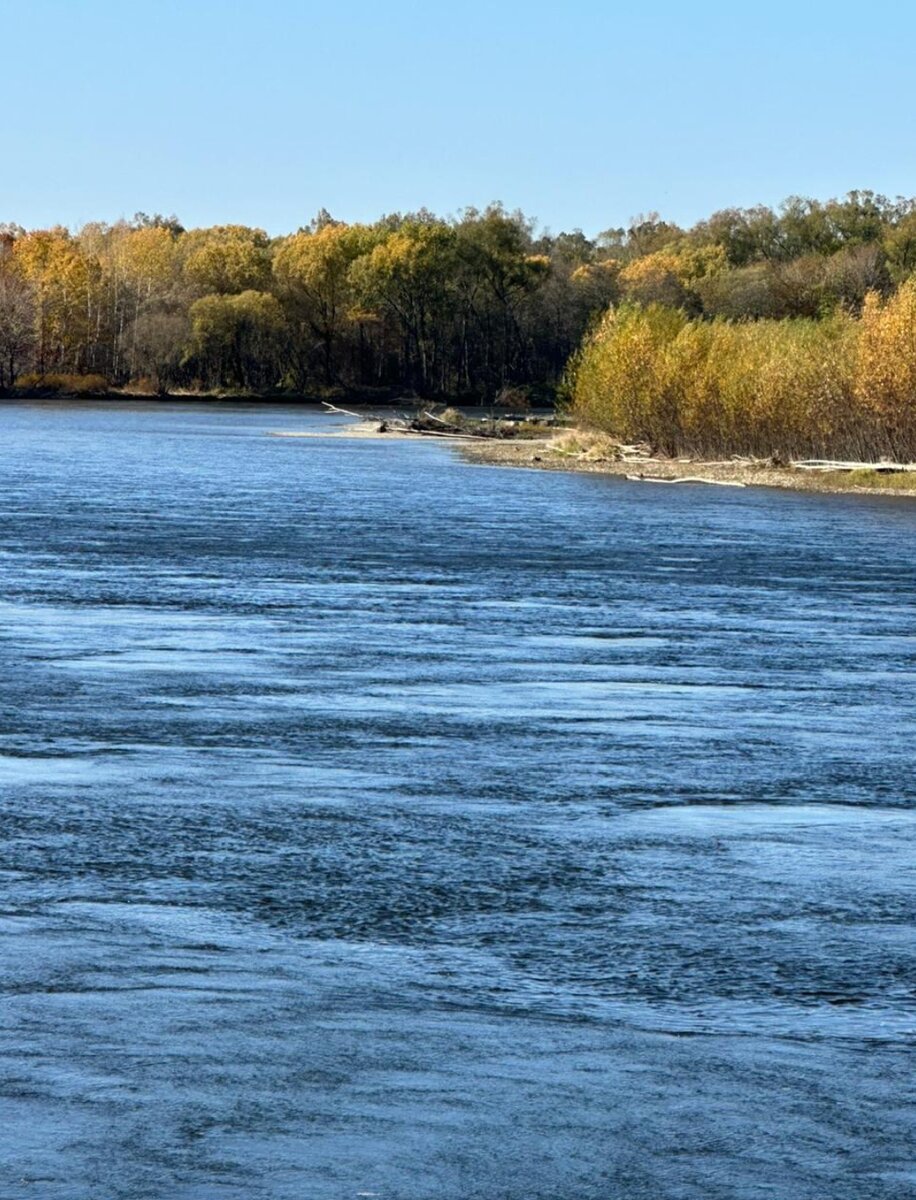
x=789, y=335
x=784, y=332
x=464, y=307
x=842, y=386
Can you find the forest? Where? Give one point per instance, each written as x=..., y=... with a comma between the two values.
x=759, y=330
x=461, y=307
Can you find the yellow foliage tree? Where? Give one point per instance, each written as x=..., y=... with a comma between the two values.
x=149, y=259
x=655, y=279
x=227, y=259
x=59, y=275
x=313, y=272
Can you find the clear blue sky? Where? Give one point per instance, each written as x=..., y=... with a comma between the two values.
x=582, y=113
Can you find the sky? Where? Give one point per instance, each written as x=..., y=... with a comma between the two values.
x=584, y=114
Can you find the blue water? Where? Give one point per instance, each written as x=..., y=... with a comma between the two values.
x=376, y=824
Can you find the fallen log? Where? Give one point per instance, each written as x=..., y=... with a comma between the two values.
x=345, y=412
x=442, y=433
x=827, y=464
x=686, y=479
x=432, y=417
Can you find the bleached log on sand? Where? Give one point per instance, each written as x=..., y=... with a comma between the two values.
x=686, y=479
x=827, y=464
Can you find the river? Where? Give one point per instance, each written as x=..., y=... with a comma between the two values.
x=373, y=824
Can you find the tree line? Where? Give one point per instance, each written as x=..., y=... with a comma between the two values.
x=768, y=333
x=458, y=307
x=756, y=329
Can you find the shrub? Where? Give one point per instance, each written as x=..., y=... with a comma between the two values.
x=834, y=387
x=886, y=374
x=62, y=385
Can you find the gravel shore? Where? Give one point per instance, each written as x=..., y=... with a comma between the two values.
x=554, y=452
x=547, y=455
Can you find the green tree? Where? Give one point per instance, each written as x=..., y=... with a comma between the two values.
x=237, y=340
x=407, y=278
x=313, y=277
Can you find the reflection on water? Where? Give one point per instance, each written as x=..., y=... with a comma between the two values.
x=377, y=824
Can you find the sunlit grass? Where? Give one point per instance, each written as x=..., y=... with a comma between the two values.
x=896, y=480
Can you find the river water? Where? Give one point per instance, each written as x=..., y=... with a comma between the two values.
x=378, y=825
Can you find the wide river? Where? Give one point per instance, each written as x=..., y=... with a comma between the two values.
x=373, y=824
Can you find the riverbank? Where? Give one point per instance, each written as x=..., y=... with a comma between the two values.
x=583, y=453
x=579, y=451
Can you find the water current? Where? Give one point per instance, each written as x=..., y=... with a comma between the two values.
x=373, y=824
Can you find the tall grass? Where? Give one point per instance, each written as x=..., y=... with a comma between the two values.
x=840, y=387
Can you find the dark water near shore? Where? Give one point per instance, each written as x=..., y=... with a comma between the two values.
x=373, y=824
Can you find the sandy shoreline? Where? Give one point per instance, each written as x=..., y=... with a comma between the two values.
x=549, y=454
x=544, y=455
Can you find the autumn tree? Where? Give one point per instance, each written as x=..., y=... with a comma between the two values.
x=59, y=276
x=312, y=271
x=459, y=307
x=226, y=259
x=17, y=323
x=655, y=279
x=237, y=340
x=407, y=278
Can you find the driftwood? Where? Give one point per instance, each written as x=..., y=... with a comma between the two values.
x=449, y=430
x=686, y=479
x=442, y=433
x=736, y=460
x=406, y=426
x=346, y=412
x=432, y=417
x=826, y=464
